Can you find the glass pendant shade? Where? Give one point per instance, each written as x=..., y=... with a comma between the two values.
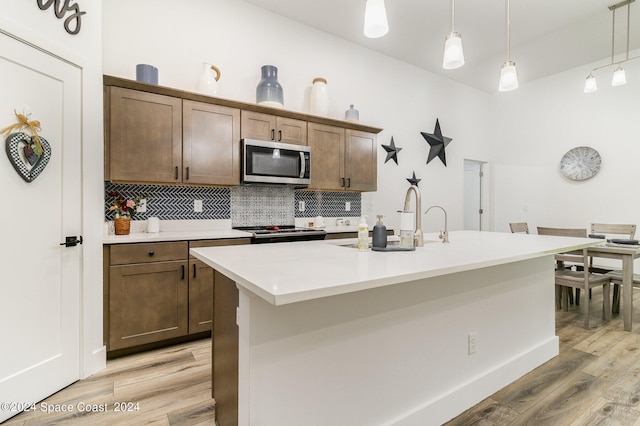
x=590, y=85
x=508, y=77
x=619, y=77
x=453, y=54
x=375, y=19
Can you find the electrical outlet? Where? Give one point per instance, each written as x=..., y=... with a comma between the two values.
x=197, y=206
x=472, y=340
x=347, y=206
x=300, y=206
x=142, y=206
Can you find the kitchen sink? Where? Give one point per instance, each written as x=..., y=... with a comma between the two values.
x=390, y=243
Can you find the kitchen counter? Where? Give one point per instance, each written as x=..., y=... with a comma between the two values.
x=330, y=268
x=317, y=333
x=191, y=230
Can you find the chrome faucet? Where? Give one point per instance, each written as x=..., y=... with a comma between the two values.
x=444, y=235
x=418, y=240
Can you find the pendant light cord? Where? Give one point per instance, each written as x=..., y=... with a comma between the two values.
x=628, y=20
x=508, y=30
x=453, y=15
x=613, y=35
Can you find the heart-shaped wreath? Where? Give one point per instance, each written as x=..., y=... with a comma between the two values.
x=22, y=152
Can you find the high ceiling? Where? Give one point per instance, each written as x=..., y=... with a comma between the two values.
x=547, y=36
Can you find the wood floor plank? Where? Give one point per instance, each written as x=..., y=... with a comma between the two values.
x=620, y=356
x=605, y=412
x=565, y=403
x=201, y=413
x=539, y=383
x=488, y=412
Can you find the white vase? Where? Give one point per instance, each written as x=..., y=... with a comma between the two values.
x=208, y=82
x=319, y=100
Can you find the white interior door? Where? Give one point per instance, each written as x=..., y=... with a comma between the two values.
x=40, y=304
x=473, y=195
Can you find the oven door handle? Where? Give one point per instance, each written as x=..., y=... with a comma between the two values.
x=303, y=165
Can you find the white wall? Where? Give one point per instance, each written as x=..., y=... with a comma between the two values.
x=536, y=125
x=239, y=38
x=41, y=28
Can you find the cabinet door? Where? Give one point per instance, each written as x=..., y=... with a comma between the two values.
x=289, y=130
x=211, y=144
x=361, y=164
x=267, y=127
x=255, y=125
x=200, y=297
x=147, y=303
x=327, y=156
x=145, y=137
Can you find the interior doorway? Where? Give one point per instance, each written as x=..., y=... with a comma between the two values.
x=474, y=200
x=40, y=303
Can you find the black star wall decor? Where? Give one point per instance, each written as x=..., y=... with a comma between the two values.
x=414, y=180
x=392, y=151
x=437, y=144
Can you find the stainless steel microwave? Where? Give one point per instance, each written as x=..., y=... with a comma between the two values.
x=267, y=162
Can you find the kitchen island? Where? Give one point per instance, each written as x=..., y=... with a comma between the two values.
x=324, y=334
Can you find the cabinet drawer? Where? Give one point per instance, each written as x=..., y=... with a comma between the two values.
x=216, y=243
x=148, y=252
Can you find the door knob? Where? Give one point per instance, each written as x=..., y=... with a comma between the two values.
x=72, y=241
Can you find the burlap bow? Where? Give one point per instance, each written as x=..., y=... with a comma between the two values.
x=33, y=126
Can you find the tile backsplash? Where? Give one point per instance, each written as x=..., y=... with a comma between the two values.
x=244, y=205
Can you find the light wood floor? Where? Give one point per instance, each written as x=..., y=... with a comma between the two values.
x=172, y=386
x=594, y=380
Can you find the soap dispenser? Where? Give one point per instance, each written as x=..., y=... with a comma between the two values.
x=380, y=233
x=363, y=235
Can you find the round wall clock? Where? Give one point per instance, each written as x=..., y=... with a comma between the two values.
x=580, y=163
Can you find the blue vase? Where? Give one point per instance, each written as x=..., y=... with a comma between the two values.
x=269, y=91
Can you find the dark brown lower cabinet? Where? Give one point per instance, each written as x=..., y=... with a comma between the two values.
x=157, y=294
x=149, y=302
x=200, y=296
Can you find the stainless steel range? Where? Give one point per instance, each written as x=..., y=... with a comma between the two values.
x=281, y=234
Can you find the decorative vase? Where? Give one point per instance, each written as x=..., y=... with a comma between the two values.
x=319, y=100
x=352, y=114
x=146, y=73
x=269, y=92
x=122, y=225
x=208, y=82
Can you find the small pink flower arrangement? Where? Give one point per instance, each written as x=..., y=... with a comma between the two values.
x=124, y=207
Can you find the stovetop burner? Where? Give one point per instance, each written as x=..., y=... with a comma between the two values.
x=282, y=233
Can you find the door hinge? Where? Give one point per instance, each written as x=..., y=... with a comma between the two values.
x=72, y=241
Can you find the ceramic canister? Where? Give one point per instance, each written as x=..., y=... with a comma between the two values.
x=147, y=74
x=153, y=225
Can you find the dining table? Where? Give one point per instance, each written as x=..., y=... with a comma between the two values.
x=626, y=253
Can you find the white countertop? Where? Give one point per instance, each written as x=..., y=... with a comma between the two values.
x=183, y=230
x=283, y=273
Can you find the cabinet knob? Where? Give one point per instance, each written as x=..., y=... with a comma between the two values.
x=279, y=135
x=343, y=184
x=273, y=134
x=151, y=252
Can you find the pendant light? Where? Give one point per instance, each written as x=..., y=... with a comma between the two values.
x=508, y=74
x=619, y=75
x=590, y=85
x=453, y=54
x=375, y=19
